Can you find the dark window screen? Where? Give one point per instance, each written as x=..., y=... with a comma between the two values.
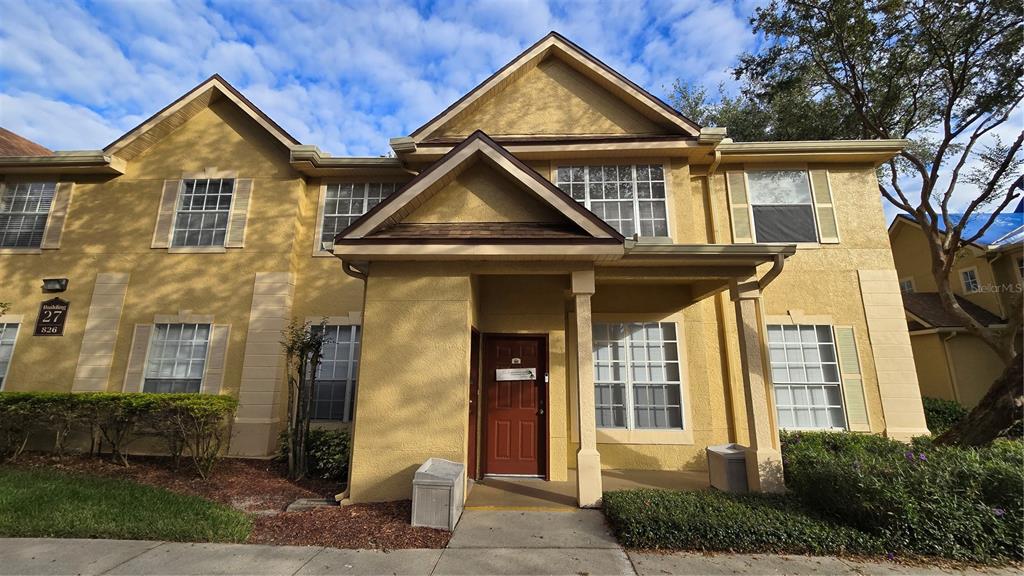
x=794, y=223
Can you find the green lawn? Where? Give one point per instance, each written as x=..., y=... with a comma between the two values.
x=48, y=503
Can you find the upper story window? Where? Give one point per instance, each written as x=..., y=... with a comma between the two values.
x=8, y=334
x=24, y=208
x=203, y=212
x=345, y=202
x=335, y=386
x=782, y=207
x=631, y=198
x=907, y=285
x=637, y=376
x=805, y=372
x=969, y=278
x=177, y=358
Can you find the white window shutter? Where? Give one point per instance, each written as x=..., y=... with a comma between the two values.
x=852, y=379
x=739, y=207
x=824, y=207
x=216, y=359
x=240, y=200
x=58, y=213
x=136, y=371
x=165, y=217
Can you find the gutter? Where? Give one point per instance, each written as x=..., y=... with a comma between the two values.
x=79, y=160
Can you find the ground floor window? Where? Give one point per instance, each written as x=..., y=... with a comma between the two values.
x=335, y=385
x=177, y=358
x=636, y=375
x=805, y=372
x=8, y=333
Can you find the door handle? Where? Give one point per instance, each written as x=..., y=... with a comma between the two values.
x=540, y=411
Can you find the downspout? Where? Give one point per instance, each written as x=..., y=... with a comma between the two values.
x=949, y=365
x=780, y=260
x=353, y=271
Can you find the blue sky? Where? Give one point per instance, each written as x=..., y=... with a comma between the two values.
x=343, y=75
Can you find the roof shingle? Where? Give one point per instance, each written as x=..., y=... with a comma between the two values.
x=928, y=307
x=12, y=144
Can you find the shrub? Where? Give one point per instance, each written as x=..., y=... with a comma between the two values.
x=941, y=414
x=192, y=422
x=960, y=503
x=715, y=521
x=327, y=451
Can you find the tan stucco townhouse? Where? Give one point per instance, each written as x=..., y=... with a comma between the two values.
x=556, y=275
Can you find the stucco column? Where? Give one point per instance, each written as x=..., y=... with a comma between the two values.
x=588, y=460
x=764, y=460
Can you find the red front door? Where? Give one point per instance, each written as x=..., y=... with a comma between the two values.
x=514, y=368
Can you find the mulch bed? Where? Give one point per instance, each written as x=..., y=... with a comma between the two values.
x=382, y=525
x=261, y=488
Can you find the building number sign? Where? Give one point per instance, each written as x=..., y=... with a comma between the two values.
x=52, y=315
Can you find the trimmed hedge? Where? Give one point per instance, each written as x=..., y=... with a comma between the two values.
x=960, y=503
x=708, y=520
x=941, y=415
x=192, y=423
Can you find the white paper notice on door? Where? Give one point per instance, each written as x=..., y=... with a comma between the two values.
x=506, y=374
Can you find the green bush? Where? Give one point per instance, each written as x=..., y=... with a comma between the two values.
x=959, y=503
x=708, y=520
x=327, y=452
x=192, y=422
x=941, y=414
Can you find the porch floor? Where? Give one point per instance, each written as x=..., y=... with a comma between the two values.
x=537, y=494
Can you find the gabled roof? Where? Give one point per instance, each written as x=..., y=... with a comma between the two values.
x=138, y=139
x=554, y=44
x=385, y=219
x=12, y=144
x=926, y=308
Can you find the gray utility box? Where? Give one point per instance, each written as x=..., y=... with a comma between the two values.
x=727, y=466
x=437, y=494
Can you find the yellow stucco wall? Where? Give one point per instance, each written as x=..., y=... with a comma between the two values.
x=413, y=393
x=975, y=368
x=482, y=194
x=933, y=369
x=551, y=98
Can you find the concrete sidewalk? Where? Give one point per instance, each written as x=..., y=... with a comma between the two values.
x=485, y=542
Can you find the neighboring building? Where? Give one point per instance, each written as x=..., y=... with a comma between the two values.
x=951, y=363
x=556, y=243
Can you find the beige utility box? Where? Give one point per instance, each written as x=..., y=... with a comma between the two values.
x=437, y=494
x=727, y=466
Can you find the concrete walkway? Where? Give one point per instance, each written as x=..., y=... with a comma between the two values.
x=485, y=542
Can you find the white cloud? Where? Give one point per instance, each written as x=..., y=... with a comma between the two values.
x=343, y=76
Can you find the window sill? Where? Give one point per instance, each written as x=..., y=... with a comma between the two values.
x=623, y=436
x=197, y=250
x=21, y=250
x=323, y=254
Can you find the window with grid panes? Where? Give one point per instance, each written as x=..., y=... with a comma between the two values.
x=204, y=208
x=8, y=334
x=970, y=280
x=177, y=358
x=24, y=208
x=344, y=203
x=335, y=385
x=637, y=376
x=805, y=373
x=631, y=198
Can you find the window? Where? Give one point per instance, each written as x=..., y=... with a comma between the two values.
x=336, y=380
x=177, y=358
x=806, y=377
x=1020, y=268
x=8, y=334
x=344, y=203
x=781, y=203
x=907, y=285
x=24, y=208
x=969, y=278
x=631, y=198
x=636, y=376
x=204, y=207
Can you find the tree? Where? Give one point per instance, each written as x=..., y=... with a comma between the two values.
x=303, y=346
x=943, y=74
